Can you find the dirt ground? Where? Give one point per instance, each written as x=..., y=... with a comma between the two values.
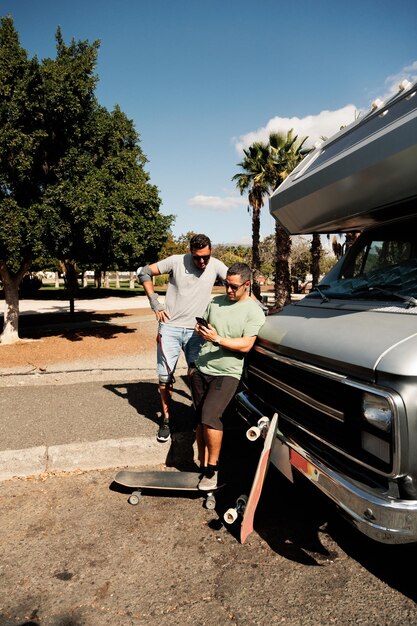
x=48, y=338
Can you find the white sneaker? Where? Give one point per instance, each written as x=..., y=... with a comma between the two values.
x=208, y=483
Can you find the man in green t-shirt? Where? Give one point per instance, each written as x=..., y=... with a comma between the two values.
x=234, y=320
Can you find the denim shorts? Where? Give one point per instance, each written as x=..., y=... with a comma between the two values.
x=171, y=340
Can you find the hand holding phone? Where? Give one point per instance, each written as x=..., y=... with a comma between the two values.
x=202, y=321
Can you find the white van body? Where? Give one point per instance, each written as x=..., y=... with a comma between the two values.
x=340, y=365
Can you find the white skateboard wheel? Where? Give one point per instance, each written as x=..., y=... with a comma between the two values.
x=253, y=433
x=230, y=516
x=210, y=503
x=134, y=497
x=263, y=422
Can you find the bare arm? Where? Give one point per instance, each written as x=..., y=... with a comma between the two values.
x=147, y=284
x=237, y=344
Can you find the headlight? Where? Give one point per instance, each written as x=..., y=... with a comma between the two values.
x=377, y=411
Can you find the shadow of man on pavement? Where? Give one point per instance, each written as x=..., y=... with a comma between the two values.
x=143, y=396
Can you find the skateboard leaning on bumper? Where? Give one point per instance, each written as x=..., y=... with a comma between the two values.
x=160, y=480
x=246, y=505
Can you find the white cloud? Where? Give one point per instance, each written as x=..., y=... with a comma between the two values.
x=245, y=240
x=409, y=72
x=325, y=124
x=217, y=203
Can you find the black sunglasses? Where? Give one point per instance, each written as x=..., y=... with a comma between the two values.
x=204, y=257
x=233, y=287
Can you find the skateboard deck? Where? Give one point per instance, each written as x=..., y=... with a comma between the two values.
x=247, y=505
x=169, y=480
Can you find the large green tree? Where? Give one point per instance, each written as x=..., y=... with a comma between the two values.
x=108, y=210
x=72, y=178
x=230, y=254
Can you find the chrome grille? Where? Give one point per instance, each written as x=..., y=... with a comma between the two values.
x=317, y=408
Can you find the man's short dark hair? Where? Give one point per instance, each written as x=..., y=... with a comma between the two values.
x=197, y=242
x=242, y=269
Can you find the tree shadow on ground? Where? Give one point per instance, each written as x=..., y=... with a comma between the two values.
x=73, y=327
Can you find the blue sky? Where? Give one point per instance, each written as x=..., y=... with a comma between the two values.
x=201, y=80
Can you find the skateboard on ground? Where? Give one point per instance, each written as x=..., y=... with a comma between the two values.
x=246, y=506
x=169, y=480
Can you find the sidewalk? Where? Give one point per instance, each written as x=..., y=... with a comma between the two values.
x=99, y=304
x=97, y=412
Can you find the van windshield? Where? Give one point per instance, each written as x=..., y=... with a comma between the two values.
x=381, y=265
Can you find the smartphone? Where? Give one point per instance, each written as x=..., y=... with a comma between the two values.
x=202, y=321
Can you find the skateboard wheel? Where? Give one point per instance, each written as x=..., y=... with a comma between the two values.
x=230, y=516
x=256, y=431
x=241, y=503
x=134, y=497
x=263, y=422
x=210, y=503
x=253, y=433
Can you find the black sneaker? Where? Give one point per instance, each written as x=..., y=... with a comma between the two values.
x=164, y=432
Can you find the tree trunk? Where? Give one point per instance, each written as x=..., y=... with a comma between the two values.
x=56, y=280
x=350, y=238
x=315, y=258
x=282, y=289
x=71, y=282
x=97, y=279
x=106, y=279
x=117, y=280
x=256, y=260
x=11, y=282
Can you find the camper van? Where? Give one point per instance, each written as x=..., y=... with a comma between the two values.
x=339, y=366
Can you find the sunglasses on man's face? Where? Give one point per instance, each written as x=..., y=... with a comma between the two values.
x=233, y=287
x=204, y=257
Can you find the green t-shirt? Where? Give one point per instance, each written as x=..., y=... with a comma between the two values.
x=243, y=320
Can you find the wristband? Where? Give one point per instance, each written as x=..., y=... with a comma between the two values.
x=154, y=302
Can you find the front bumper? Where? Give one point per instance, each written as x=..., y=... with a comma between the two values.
x=373, y=512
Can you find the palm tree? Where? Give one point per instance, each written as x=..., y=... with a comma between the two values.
x=286, y=152
x=256, y=180
x=315, y=249
x=264, y=167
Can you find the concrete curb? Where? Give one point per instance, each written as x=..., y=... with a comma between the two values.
x=67, y=375
x=105, y=454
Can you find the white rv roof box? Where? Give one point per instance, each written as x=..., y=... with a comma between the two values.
x=358, y=176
